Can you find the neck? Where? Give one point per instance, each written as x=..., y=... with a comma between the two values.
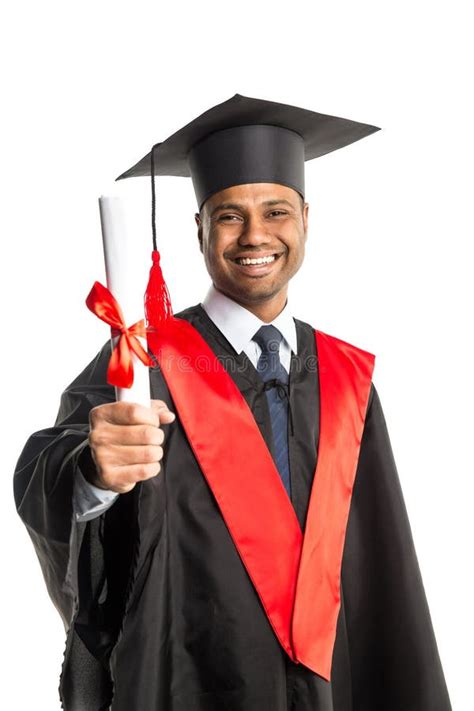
x=265, y=310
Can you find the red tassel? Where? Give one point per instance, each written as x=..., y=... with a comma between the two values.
x=157, y=299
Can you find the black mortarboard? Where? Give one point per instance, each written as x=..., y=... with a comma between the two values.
x=245, y=140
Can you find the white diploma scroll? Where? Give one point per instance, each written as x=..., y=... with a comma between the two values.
x=127, y=253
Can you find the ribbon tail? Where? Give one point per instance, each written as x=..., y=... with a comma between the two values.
x=120, y=370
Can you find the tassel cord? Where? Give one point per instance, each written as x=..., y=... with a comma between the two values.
x=153, y=197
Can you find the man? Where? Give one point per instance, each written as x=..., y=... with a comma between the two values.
x=242, y=544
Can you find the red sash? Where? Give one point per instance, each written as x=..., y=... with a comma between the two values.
x=297, y=577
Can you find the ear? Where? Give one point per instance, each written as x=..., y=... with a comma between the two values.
x=305, y=219
x=198, y=221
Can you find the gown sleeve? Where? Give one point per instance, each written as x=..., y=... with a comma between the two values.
x=44, y=482
x=394, y=657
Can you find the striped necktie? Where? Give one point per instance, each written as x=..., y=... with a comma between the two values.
x=275, y=378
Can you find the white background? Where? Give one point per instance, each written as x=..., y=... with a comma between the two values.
x=88, y=87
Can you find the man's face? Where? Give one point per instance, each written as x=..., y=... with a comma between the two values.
x=264, y=221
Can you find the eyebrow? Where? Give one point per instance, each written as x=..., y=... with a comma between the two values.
x=270, y=203
x=237, y=206
x=227, y=206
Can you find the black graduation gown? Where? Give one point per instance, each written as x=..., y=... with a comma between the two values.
x=160, y=611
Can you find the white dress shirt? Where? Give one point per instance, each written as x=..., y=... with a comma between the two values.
x=238, y=325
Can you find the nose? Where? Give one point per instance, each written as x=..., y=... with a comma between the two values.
x=254, y=231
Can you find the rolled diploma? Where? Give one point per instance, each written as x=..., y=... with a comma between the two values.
x=127, y=265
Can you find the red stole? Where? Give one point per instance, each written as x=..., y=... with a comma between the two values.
x=296, y=576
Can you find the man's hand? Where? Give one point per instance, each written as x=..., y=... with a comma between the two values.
x=126, y=440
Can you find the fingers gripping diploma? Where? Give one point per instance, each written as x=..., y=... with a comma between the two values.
x=126, y=443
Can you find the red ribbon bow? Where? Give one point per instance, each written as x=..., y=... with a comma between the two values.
x=103, y=304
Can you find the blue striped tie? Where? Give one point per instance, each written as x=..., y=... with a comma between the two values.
x=270, y=368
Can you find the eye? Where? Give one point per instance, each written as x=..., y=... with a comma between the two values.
x=229, y=218
x=277, y=213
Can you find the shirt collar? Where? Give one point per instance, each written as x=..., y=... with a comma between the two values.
x=239, y=325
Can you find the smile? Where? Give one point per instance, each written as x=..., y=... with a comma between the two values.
x=260, y=260
x=257, y=266
x=255, y=261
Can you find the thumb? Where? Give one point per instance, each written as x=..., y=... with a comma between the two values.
x=163, y=412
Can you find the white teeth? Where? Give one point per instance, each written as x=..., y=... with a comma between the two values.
x=261, y=260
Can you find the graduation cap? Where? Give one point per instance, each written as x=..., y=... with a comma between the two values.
x=243, y=140
x=246, y=140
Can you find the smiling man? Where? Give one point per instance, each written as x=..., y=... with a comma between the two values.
x=242, y=544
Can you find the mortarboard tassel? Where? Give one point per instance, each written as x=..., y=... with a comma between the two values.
x=157, y=298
